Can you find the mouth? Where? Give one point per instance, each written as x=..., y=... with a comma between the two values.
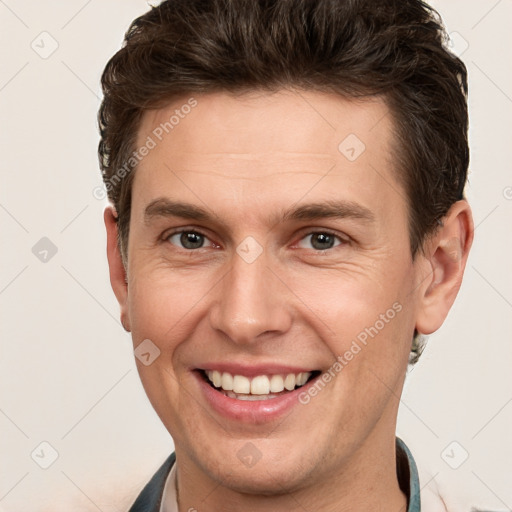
x=257, y=388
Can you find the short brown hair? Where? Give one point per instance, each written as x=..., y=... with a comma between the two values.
x=354, y=48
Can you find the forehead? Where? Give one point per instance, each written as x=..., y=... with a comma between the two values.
x=284, y=121
x=271, y=147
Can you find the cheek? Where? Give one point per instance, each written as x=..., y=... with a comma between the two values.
x=159, y=308
x=164, y=308
x=342, y=302
x=365, y=328
x=362, y=315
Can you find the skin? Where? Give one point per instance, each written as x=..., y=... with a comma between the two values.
x=245, y=159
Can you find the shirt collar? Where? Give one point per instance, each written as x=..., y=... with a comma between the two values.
x=407, y=474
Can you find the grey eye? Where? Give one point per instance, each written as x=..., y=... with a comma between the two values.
x=320, y=241
x=189, y=240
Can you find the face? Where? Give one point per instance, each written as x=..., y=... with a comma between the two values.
x=269, y=253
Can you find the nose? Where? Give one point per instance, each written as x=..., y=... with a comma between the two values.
x=250, y=302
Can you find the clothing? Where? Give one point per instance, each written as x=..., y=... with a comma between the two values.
x=159, y=495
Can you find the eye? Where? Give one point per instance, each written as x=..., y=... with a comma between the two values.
x=320, y=241
x=189, y=240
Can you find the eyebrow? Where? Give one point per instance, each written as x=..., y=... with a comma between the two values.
x=339, y=209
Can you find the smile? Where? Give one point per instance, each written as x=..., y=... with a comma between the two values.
x=260, y=387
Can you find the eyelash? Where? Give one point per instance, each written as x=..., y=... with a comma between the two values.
x=343, y=241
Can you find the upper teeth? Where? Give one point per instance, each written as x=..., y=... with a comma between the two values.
x=260, y=385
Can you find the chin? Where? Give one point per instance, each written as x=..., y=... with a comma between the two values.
x=260, y=481
x=247, y=469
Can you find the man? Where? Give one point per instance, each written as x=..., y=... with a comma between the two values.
x=287, y=220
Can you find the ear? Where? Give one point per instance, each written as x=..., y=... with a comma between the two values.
x=117, y=271
x=447, y=252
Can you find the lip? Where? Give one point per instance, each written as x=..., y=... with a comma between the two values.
x=250, y=412
x=251, y=371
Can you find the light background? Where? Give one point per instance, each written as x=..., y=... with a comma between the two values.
x=67, y=371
